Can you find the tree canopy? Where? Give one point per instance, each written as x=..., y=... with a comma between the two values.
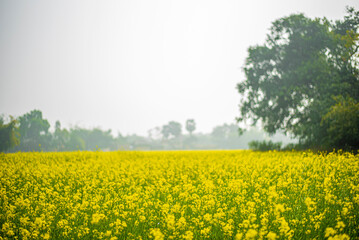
x=293, y=79
x=9, y=136
x=34, y=131
x=172, y=129
x=190, y=126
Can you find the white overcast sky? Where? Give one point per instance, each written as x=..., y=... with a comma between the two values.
x=133, y=65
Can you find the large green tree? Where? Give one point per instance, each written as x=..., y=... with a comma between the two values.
x=292, y=79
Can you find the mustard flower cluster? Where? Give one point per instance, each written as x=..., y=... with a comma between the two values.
x=179, y=195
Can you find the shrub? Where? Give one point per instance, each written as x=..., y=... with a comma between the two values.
x=264, y=145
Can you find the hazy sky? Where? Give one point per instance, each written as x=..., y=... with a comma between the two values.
x=132, y=65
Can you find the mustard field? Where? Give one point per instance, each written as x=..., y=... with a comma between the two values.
x=179, y=195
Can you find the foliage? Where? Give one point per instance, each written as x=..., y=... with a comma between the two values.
x=292, y=78
x=294, y=146
x=225, y=136
x=61, y=138
x=264, y=145
x=92, y=139
x=190, y=126
x=225, y=131
x=172, y=129
x=34, y=131
x=9, y=136
x=179, y=195
x=342, y=122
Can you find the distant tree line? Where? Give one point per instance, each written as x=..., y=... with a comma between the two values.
x=31, y=132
